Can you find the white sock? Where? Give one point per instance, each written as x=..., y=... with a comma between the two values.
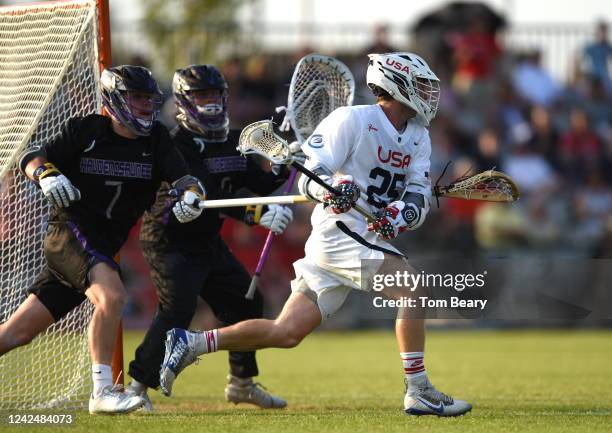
x=206, y=341
x=102, y=376
x=414, y=368
x=137, y=387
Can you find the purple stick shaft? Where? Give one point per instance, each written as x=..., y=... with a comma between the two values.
x=266, y=249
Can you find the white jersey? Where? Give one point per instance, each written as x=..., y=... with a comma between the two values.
x=360, y=141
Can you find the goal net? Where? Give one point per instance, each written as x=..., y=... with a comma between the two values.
x=49, y=72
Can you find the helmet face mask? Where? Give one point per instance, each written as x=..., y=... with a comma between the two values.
x=201, y=94
x=131, y=96
x=407, y=79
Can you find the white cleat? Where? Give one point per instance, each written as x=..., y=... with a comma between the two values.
x=180, y=352
x=427, y=400
x=240, y=390
x=148, y=405
x=113, y=400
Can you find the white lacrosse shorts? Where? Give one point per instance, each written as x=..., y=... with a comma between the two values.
x=328, y=287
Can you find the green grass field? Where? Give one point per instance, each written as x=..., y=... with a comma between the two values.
x=518, y=381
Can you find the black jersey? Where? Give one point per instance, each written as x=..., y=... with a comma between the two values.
x=117, y=177
x=223, y=171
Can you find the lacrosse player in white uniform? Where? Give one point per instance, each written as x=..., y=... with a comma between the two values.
x=377, y=156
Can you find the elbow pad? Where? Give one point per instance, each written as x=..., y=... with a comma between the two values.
x=28, y=155
x=312, y=190
x=416, y=209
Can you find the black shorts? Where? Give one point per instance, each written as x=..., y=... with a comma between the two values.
x=69, y=255
x=214, y=275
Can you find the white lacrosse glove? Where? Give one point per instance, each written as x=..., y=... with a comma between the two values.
x=276, y=218
x=296, y=155
x=186, y=209
x=55, y=186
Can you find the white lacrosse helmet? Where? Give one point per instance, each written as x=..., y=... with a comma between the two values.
x=408, y=79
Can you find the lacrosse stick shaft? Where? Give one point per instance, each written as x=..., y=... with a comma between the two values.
x=268, y=244
x=251, y=201
x=331, y=189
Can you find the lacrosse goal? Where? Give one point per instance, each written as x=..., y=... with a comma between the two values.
x=50, y=59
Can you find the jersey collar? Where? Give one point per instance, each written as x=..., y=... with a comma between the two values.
x=398, y=137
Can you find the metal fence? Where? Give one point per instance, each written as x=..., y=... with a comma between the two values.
x=560, y=44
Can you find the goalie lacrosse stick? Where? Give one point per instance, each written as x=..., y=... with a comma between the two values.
x=319, y=85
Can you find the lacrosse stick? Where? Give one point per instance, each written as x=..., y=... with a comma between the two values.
x=251, y=201
x=489, y=185
x=259, y=138
x=319, y=85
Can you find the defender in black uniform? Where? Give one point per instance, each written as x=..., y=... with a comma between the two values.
x=111, y=168
x=191, y=260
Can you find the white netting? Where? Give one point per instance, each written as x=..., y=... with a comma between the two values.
x=259, y=138
x=319, y=85
x=48, y=73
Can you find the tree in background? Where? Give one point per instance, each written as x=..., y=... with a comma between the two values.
x=190, y=31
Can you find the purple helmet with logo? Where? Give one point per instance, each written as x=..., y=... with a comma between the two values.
x=116, y=84
x=211, y=121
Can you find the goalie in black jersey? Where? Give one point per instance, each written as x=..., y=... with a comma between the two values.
x=191, y=260
x=99, y=174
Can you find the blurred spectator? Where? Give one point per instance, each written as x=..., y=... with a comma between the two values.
x=488, y=153
x=510, y=116
x=475, y=52
x=531, y=172
x=258, y=91
x=592, y=206
x=580, y=149
x=381, y=42
x=597, y=57
x=533, y=82
x=598, y=107
x=544, y=139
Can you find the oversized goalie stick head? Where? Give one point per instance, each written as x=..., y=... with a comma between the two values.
x=211, y=119
x=123, y=90
x=319, y=85
x=407, y=79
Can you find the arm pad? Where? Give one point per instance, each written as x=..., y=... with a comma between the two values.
x=311, y=189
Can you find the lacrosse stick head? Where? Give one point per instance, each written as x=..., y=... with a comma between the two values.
x=259, y=138
x=489, y=185
x=319, y=85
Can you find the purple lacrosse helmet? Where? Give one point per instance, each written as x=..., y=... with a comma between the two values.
x=211, y=121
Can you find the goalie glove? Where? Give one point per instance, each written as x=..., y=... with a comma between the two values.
x=276, y=218
x=55, y=186
x=186, y=208
x=349, y=194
